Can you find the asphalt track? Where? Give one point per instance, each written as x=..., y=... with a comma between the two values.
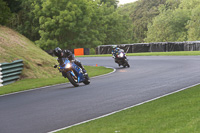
x=50, y=108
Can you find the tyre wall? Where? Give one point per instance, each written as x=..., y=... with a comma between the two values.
x=152, y=47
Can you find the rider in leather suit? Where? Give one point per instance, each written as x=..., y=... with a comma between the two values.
x=67, y=54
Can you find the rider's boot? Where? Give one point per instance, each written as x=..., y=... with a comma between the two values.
x=81, y=66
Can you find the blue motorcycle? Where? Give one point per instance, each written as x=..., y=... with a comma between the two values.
x=73, y=72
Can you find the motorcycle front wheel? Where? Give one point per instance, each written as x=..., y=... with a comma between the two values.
x=126, y=64
x=87, y=80
x=72, y=80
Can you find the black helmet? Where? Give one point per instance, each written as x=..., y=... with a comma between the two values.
x=57, y=52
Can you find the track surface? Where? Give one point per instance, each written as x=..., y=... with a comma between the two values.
x=51, y=108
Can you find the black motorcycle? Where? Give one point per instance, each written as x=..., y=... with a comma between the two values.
x=120, y=58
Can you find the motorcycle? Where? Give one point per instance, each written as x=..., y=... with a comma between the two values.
x=120, y=59
x=73, y=72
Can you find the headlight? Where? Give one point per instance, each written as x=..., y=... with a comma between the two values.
x=121, y=55
x=68, y=65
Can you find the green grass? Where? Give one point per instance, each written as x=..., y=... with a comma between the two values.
x=27, y=84
x=177, y=53
x=176, y=113
x=37, y=63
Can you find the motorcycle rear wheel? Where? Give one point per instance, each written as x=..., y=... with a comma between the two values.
x=72, y=80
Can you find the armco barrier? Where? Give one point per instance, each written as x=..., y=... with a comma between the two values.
x=10, y=72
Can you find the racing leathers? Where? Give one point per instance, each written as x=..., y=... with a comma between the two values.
x=68, y=54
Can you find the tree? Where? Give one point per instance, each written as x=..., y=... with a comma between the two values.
x=72, y=24
x=119, y=29
x=194, y=25
x=81, y=23
x=65, y=23
x=172, y=4
x=189, y=4
x=5, y=13
x=176, y=23
x=14, y=5
x=142, y=13
x=25, y=20
x=110, y=2
x=169, y=26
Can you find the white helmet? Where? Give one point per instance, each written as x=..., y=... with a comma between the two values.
x=114, y=46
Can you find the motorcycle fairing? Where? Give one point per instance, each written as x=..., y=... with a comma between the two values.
x=74, y=67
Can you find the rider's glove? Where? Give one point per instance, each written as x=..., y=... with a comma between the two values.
x=55, y=66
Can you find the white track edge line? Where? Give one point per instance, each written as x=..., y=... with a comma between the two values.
x=114, y=70
x=124, y=108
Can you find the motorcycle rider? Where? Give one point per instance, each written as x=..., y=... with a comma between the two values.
x=115, y=51
x=67, y=54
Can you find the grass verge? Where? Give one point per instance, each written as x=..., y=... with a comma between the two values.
x=177, y=53
x=27, y=84
x=176, y=113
